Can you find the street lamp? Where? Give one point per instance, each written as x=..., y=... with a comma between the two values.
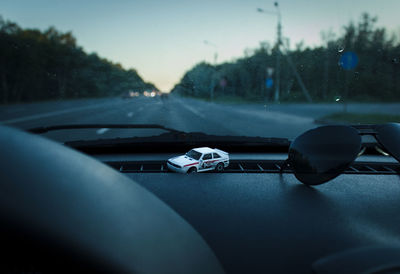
x=278, y=43
x=215, y=47
x=212, y=86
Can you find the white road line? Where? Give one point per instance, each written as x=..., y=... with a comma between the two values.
x=191, y=109
x=267, y=115
x=102, y=131
x=49, y=114
x=276, y=116
x=129, y=114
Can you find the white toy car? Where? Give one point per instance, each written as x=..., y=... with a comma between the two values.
x=199, y=160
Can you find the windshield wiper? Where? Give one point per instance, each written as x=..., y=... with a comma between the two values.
x=44, y=129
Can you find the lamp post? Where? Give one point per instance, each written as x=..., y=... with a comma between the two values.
x=212, y=85
x=278, y=51
x=215, y=47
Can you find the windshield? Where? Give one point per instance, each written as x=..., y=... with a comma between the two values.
x=241, y=68
x=193, y=154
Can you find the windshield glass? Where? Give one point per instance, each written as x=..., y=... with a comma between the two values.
x=242, y=68
x=194, y=154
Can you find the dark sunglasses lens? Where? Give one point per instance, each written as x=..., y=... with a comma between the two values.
x=321, y=154
x=389, y=136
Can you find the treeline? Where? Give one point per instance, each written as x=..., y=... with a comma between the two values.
x=376, y=76
x=48, y=65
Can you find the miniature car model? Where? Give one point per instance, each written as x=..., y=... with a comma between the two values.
x=199, y=160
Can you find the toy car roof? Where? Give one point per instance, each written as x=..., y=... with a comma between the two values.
x=204, y=149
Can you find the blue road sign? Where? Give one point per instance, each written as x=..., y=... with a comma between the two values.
x=348, y=60
x=269, y=83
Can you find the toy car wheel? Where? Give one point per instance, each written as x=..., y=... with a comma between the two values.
x=219, y=167
x=192, y=170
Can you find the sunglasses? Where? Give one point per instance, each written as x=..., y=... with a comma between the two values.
x=321, y=154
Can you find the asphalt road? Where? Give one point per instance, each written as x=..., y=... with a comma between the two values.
x=190, y=115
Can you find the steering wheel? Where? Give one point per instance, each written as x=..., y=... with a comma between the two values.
x=61, y=210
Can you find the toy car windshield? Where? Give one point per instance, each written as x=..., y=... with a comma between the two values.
x=193, y=154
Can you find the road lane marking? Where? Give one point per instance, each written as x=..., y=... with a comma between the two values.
x=194, y=111
x=102, y=131
x=49, y=114
x=276, y=116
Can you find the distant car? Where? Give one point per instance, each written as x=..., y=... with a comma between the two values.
x=199, y=160
x=130, y=94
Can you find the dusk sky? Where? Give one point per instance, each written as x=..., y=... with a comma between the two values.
x=162, y=39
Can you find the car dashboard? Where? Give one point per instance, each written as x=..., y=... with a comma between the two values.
x=129, y=213
x=259, y=220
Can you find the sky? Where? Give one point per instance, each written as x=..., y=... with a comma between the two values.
x=162, y=39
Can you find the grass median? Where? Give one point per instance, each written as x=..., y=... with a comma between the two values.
x=361, y=118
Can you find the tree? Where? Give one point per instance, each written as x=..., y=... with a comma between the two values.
x=37, y=65
x=374, y=78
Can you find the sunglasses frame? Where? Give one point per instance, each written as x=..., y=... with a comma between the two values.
x=363, y=130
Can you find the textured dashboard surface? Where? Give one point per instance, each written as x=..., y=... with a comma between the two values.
x=268, y=222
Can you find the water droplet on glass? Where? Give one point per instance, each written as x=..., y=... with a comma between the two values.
x=340, y=49
x=395, y=60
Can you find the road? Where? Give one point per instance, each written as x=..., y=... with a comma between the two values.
x=190, y=115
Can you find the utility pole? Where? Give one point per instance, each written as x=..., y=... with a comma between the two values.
x=278, y=58
x=216, y=50
x=296, y=74
x=278, y=51
x=212, y=85
x=327, y=37
x=278, y=55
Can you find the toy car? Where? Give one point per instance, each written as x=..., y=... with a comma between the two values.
x=199, y=160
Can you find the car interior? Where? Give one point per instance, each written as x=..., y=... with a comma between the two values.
x=180, y=137
x=76, y=208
